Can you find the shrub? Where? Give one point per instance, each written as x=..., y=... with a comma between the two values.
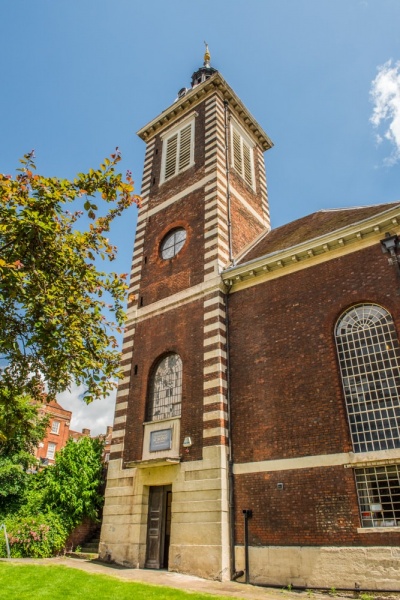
x=54, y=501
x=35, y=537
x=71, y=486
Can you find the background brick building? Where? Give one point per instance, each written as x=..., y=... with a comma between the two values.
x=57, y=432
x=261, y=369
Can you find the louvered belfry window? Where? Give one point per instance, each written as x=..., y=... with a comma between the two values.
x=178, y=151
x=369, y=358
x=165, y=393
x=242, y=152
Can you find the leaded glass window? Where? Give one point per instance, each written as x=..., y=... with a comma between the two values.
x=166, y=389
x=173, y=243
x=369, y=358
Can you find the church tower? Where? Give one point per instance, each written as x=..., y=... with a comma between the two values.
x=204, y=200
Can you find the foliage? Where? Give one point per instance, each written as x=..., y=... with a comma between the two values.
x=21, y=425
x=52, y=294
x=13, y=482
x=70, y=487
x=59, y=582
x=62, y=495
x=35, y=537
x=21, y=429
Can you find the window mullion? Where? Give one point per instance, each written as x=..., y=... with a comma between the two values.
x=178, y=151
x=363, y=337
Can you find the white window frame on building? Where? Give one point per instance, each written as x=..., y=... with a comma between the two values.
x=51, y=450
x=369, y=359
x=378, y=490
x=368, y=350
x=55, y=427
x=178, y=149
x=242, y=154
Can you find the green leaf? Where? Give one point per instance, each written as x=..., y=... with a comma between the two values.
x=52, y=314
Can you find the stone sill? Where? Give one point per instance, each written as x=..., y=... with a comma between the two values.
x=378, y=529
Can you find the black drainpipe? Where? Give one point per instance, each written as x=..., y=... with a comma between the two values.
x=247, y=513
x=234, y=574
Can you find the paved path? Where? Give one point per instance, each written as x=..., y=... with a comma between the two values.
x=175, y=580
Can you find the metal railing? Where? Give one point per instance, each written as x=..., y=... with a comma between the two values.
x=3, y=526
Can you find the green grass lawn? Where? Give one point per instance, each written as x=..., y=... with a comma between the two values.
x=31, y=582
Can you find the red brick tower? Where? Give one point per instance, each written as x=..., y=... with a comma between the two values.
x=204, y=200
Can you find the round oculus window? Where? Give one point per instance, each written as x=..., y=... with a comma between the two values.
x=173, y=243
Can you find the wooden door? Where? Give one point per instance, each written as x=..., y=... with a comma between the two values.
x=157, y=545
x=167, y=535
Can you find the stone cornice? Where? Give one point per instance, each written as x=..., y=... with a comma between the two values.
x=153, y=462
x=320, y=249
x=135, y=315
x=177, y=110
x=346, y=460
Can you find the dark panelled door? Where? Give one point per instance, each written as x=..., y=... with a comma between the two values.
x=157, y=548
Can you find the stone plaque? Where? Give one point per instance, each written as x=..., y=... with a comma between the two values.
x=160, y=440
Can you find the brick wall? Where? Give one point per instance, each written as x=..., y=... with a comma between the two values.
x=179, y=330
x=159, y=193
x=245, y=227
x=315, y=507
x=55, y=412
x=282, y=333
x=162, y=278
x=287, y=399
x=81, y=534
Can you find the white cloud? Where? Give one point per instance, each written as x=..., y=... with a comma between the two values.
x=95, y=416
x=385, y=95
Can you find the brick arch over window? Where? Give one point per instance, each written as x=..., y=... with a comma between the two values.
x=165, y=389
x=369, y=358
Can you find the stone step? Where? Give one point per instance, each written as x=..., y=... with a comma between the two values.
x=90, y=548
x=90, y=542
x=83, y=555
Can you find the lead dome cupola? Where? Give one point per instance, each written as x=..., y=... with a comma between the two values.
x=205, y=71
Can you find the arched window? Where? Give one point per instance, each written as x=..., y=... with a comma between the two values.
x=165, y=393
x=369, y=357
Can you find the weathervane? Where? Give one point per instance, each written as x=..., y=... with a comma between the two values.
x=207, y=56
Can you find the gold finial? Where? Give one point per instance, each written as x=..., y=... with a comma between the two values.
x=207, y=56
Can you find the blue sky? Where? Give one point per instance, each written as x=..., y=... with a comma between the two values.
x=80, y=78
